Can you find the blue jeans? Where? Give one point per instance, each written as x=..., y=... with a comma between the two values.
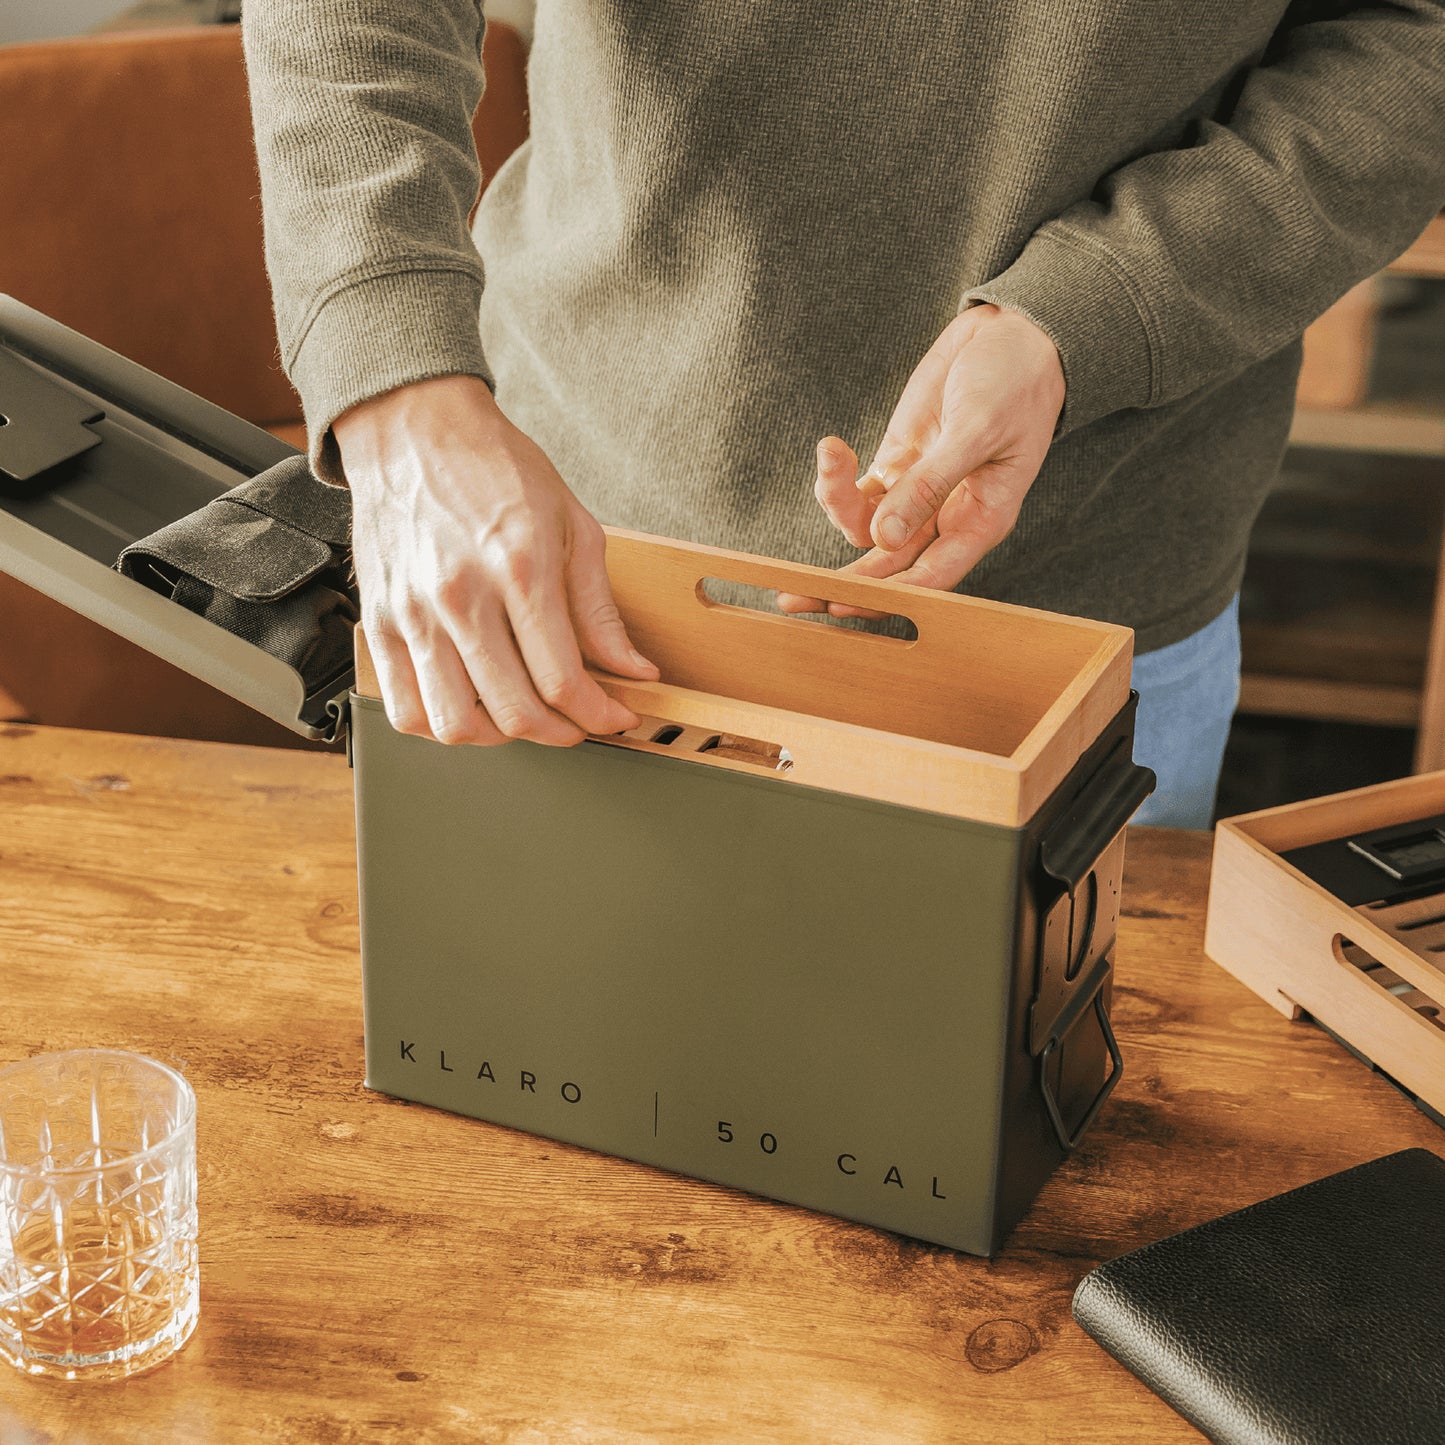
x=1187, y=696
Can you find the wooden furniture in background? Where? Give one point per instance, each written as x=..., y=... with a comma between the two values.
x=1337, y=352
x=133, y=216
x=1331, y=408
x=133, y=210
x=1334, y=413
x=372, y=1270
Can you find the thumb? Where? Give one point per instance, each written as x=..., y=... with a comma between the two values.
x=920, y=493
x=600, y=631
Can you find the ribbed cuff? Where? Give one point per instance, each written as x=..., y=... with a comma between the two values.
x=379, y=333
x=1082, y=299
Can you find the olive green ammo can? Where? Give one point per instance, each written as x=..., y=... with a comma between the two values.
x=765, y=939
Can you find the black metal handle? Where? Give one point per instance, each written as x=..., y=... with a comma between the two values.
x=1116, y=1072
x=1105, y=803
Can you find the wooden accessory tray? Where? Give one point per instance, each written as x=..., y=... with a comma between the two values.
x=1371, y=972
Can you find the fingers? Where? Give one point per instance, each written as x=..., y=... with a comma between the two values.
x=541, y=619
x=916, y=419
x=431, y=687
x=976, y=517
x=875, y=563
x=848, y=500
x=894, y=457
x=500, y=678
x=484, y=664
x=962, y=449
x=838, y=492
x=464, y=544
x=913, y=433
x=974, y=520
x=919, y=495
x=397, y=680
x=457, y=670
x=449, y=712
x=448, y=696
x=792, y=602
x=600, y=630
x=878, y=563
x=943, y=565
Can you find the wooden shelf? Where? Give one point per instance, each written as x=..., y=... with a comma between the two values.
x=1391, y=428
x=1418, y=555
x=1370, y=669
x=1368, y=654
x=1380, y=704
x=1427, y=256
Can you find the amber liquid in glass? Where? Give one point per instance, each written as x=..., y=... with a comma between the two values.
x=109, y=1282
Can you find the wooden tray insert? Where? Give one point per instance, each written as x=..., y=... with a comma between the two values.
x=981, y=716
x=1374, y=973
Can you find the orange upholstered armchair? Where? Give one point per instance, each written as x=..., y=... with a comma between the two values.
x=133, y=215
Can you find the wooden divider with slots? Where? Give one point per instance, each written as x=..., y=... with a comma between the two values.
x=1374, y=975
x=981, y=716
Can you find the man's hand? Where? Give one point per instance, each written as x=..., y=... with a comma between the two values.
x=963, y=447
x=483, y=584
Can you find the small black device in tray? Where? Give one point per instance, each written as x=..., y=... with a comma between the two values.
x=1381, y=870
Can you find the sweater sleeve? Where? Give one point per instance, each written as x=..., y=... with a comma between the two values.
x=362, y=112
x=1185, y=266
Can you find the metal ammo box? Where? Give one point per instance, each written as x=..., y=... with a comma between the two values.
x=834, y=925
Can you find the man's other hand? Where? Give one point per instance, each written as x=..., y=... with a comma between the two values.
x=483, y=581
x=963, y=447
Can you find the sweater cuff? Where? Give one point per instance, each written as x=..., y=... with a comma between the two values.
x=1084, y=302
x=379, y=333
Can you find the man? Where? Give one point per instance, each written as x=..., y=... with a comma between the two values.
x=737, y=227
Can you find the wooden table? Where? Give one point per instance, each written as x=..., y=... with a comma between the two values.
x=375, y=1271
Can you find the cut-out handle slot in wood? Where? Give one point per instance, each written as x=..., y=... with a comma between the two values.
x=744, y=597
x=1425, y=1005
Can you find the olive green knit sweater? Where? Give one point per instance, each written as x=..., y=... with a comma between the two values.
x=738, y=225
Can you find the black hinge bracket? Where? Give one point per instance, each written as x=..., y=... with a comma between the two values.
x=42, y=422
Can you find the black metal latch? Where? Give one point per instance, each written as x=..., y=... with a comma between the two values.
x=1074, y=962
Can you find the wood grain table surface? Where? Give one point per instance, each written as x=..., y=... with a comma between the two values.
x=377, y=1271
